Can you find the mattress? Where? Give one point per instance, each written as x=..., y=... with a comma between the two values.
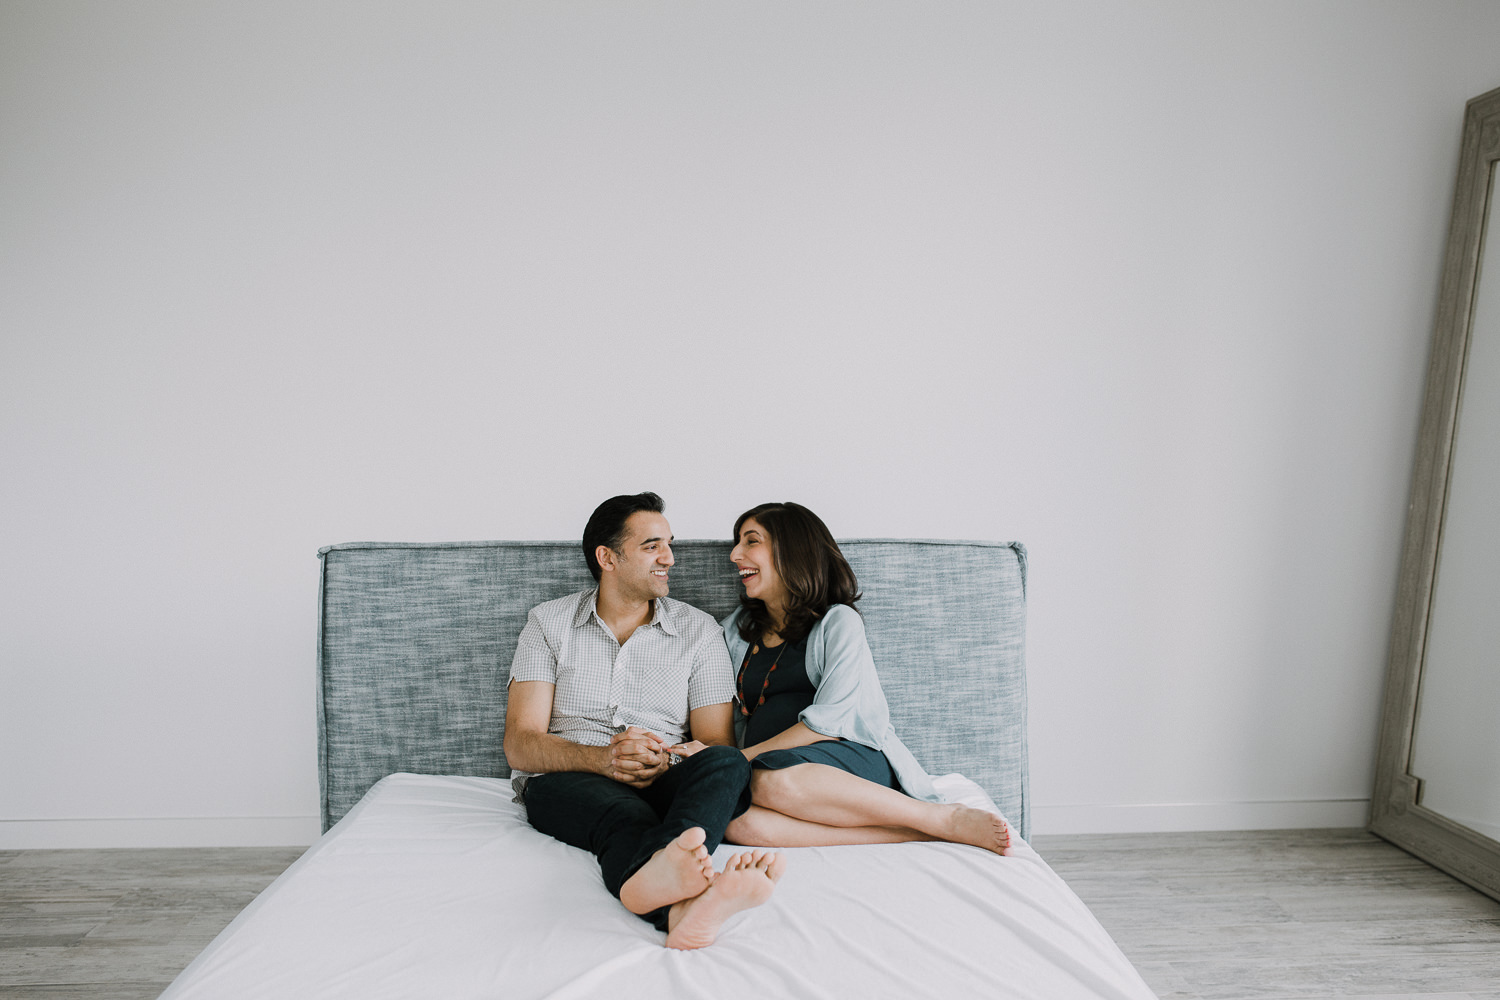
x=438, y=887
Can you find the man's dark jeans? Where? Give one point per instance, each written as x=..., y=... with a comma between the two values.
x=624, y=826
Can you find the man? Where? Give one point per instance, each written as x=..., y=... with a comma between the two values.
x=598, y=690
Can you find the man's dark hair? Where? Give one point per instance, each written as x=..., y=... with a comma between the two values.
x=607, y=524
x=811, y=565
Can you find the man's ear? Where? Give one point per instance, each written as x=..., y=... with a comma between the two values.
x=606, y=557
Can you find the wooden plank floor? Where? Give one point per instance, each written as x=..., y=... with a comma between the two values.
x=1284, y=913
x=1309, y=914
x=119, y=924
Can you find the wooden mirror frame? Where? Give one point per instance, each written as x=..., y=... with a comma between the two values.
x=1394, y=811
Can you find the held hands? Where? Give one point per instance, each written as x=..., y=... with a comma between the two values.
x=687, y=749
x=637, y=757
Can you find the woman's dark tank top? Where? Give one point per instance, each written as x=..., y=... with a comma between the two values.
x=774, y=697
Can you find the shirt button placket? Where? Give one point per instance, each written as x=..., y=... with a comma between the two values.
x=616, y=679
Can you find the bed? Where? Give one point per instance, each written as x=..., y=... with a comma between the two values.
x=428, y=881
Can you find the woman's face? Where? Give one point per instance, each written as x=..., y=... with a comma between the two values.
x=752, y=556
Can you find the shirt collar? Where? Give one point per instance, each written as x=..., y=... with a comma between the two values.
x=661, y=618
x=587, y=605
x=588, y=609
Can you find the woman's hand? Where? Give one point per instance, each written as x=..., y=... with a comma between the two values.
x=687, y=749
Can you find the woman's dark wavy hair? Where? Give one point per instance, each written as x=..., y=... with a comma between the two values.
x=812, y=569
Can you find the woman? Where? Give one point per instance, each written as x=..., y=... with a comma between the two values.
x=827, y=767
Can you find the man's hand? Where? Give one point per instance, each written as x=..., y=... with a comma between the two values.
x=637, y=757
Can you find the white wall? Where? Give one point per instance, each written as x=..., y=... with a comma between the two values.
x=1147, y=287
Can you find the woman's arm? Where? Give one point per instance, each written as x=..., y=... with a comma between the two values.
x=795, y=735
x=849, y=703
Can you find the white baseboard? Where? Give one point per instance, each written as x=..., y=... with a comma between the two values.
x=1184, y=816
x=218, y=831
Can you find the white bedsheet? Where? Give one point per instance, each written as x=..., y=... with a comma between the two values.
x=436, y=887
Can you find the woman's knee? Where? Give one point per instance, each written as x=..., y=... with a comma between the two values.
x=741, y=830
x=749, y=829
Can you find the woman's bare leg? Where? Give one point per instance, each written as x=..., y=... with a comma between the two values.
x=829, y=796
x=761, y=827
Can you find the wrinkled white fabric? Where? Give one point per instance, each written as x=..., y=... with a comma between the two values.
x=438, y=887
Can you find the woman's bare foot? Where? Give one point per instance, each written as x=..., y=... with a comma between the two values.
x=747, y=880
x=678, y=871
x=978, y=828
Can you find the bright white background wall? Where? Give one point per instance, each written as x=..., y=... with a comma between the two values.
x=1147, y=287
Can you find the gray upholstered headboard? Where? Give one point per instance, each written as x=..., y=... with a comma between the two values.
x=415, y=643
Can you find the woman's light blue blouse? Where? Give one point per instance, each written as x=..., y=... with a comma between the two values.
x=849, y=703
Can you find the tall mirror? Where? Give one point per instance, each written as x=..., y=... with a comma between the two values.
x=1437, y=791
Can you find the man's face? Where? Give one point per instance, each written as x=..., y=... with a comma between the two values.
x=640, y=567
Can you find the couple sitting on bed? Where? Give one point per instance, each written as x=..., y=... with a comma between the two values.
x=625, y=708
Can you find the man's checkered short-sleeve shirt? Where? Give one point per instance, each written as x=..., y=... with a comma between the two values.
x=668, y=667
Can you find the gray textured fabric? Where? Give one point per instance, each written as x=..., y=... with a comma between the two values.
x=415, y=642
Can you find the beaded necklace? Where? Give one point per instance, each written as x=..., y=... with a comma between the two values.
x=739, y=681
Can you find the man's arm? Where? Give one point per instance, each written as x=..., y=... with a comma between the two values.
x=713, y=724
x=711, y=688
x=530, y=747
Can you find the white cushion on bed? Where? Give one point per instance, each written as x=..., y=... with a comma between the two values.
x=438, y=887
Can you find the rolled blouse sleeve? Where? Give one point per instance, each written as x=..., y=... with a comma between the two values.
x=849, y=703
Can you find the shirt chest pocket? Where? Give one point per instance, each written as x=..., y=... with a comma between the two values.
x=650, y=677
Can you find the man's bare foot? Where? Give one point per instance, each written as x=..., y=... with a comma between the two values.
x=747, y=880
x=979, y=829
x=678, y=871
